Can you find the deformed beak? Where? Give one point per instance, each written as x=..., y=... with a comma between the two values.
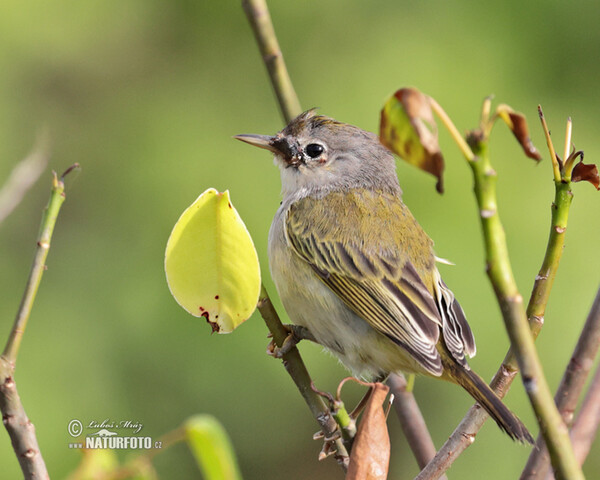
x=262, y=141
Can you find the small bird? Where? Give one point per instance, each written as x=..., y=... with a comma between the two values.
x=352, y=265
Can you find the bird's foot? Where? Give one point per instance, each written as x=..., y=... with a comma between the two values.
x=295, y=334
x=345, y=425
x=328, y=443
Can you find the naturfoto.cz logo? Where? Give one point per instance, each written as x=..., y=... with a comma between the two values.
x=107, y=438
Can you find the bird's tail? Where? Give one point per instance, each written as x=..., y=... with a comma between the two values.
x=486, y=397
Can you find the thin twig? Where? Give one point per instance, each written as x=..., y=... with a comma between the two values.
x=553, y=157
x=295, y=367
x=412, y=421
x=587, y=421
x=37, y=269
x=23, y=176
x=571, y=386
x=20, y=429
x=500, y=274
x=456, y=136
x=260, y=20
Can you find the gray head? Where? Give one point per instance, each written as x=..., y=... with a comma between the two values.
x=317, y=154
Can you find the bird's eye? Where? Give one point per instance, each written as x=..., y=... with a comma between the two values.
x=313, y=150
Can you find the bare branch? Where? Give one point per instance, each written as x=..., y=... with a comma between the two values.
x=411, y=420
x=586, y=424
x=294, y=365
x=20, y=429
x=260, y=20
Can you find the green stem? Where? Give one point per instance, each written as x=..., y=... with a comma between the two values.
x=556, y=242
x=345, y=421
x=260, y=20
x=462, y=437
x=511, y=304
x=57, y=198
x=19, y=427
x=569, y=390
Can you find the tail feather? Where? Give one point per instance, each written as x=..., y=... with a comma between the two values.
x=485, y=396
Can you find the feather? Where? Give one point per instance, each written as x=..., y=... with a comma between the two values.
x=375, y=274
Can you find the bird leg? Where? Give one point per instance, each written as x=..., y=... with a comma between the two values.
x=328, y=441
x=296, y=333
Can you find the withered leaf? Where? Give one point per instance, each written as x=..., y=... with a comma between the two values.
x=408, y=129
x=370, y=456
x=587, y=173
x=518, y=125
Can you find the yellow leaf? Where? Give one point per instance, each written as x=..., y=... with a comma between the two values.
x=211, y=263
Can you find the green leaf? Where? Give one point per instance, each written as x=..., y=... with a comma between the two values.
x=211, y=448
x=211, y=264
x=408, y=129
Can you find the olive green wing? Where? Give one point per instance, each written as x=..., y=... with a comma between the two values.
x=376, y=280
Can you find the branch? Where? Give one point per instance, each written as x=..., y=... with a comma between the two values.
x=411, y=420
x=500, y=274
x=292, y=361
x=570, y=388
x=587, y=421
x=511, y=303
x=20, y=429
x=260, y=20
x=22, y=177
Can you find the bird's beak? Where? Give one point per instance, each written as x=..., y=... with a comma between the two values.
x=262, y=141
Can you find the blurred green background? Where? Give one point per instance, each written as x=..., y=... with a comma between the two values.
x=146, y=95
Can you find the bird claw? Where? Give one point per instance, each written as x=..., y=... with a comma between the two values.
x=295, y=334
x=328, y=443
x=278, y=352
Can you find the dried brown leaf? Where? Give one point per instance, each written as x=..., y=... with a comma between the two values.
x=586, y=173
x=370, y=456
x=408, y=129
x=518, y=125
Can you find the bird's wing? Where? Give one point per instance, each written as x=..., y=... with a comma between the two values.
x=375, y=272
x=458, y=336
